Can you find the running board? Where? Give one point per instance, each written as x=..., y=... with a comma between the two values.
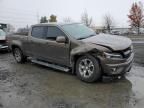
x=51, y=65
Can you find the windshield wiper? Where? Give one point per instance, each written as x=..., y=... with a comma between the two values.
x=91, y=35
x=81, y=38
x=86, y=37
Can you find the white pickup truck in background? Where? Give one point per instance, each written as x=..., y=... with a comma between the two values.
x=3, y=43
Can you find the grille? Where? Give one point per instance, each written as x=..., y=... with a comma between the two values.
x=126, y=53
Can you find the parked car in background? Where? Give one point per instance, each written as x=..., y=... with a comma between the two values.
x=116, y=32
x=3, y=42
x=74, y=47
x=133, y=32
x=142, y=30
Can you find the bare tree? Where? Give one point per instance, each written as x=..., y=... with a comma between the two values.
x=67, y=19
x=108, y=22
x=136, y=16
x=10, y=28
x=86, y=19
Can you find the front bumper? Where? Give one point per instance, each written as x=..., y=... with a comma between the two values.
x=116, y=66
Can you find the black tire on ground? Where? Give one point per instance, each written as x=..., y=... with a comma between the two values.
x=18, y=55
x=94, y=75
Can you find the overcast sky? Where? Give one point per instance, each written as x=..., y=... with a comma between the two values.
x=23, y=12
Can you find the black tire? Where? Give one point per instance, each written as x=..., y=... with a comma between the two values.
x=94, y=75
x=18, y=55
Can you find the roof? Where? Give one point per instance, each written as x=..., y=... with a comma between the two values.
x=55, y=23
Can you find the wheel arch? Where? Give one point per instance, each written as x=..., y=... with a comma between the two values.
x=23, y=57
x=77, y=56
x=15, y=46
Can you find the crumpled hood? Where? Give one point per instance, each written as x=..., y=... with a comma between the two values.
x=112, y=41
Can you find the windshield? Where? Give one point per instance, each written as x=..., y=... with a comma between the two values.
x=2, y=33
x=78, y=31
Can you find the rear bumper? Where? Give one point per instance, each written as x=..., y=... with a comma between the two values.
x=116, y=66
x=3, y=47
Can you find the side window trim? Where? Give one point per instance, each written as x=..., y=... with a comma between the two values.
x=44, y=27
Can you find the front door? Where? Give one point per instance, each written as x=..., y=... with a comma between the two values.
x=56, y=52
x=37, y=41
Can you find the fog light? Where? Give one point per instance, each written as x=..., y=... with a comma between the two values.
x=113, y=69
x=119, y=77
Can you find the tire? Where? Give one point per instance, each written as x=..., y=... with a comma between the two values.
x=18, y=55
x=88, y=69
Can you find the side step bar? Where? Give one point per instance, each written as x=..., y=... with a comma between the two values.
x=65, y=69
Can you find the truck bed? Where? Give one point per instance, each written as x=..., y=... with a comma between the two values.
x=17, y=39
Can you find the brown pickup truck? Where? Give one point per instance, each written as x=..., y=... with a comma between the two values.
x=74, y=48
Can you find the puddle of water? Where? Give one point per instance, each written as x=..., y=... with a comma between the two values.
x=137, y=79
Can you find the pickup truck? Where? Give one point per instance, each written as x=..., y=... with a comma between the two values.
x=3, y=42
x=74, y=48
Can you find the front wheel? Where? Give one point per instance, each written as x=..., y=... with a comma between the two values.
x=18, y=55
x=88, y=69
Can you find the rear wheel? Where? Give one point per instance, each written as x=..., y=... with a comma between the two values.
x=88, y=69
x=18, y=55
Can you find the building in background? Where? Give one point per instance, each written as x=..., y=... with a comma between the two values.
x=3, y=26
x=117, y=30
x=7, y=27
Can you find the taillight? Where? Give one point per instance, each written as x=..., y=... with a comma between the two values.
x=7, y=40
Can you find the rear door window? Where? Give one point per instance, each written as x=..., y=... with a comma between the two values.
x=39, y=32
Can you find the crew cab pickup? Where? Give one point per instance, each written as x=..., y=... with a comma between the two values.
x=74, y=48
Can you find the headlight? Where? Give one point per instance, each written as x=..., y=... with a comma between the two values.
x=131, y=47
x=112, y=55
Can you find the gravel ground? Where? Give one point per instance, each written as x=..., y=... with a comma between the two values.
x=33, y=86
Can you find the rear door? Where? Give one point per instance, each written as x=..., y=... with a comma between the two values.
x=37, y=41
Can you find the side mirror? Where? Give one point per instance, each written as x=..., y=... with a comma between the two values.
x=61, y=39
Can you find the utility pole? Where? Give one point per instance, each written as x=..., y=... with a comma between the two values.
x=38, y=19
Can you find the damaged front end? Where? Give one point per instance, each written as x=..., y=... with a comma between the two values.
x=117, y=62
x=111, y=62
